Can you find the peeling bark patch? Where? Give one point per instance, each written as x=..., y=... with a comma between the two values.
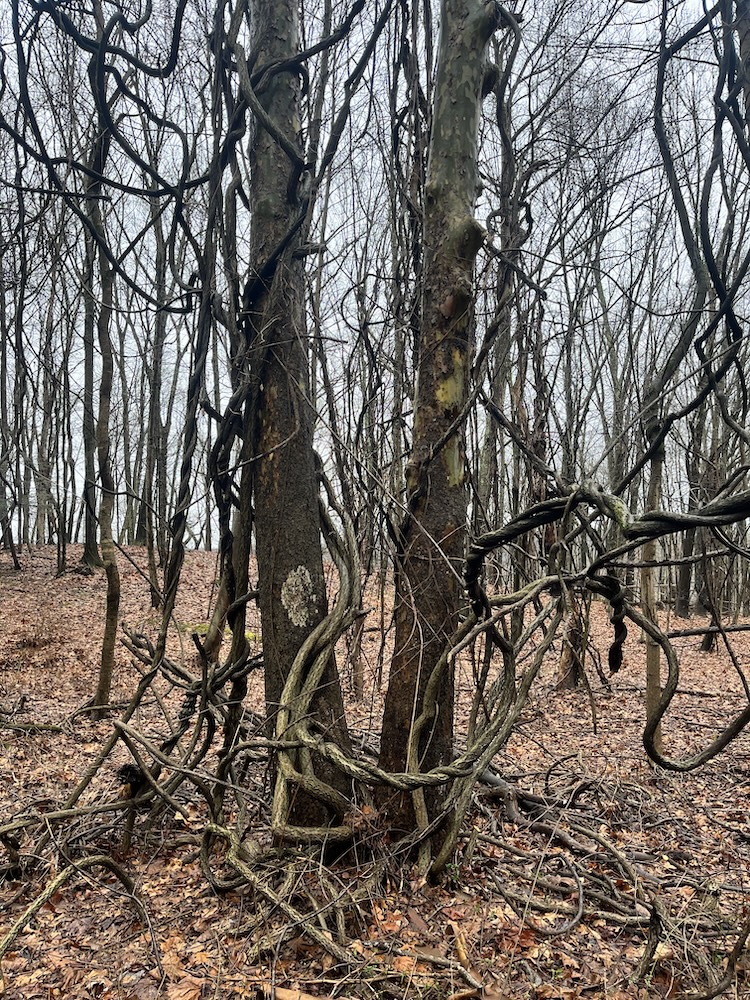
x=450, y=391
x=454, y=463
x=298, y=596
x=448, y=307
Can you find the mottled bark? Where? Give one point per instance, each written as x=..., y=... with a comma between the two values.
x=428, y=581
x=292, y=592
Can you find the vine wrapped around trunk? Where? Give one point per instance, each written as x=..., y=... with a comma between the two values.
x=428, y=582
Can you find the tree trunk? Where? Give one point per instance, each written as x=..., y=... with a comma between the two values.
x=648, y=599
x=693, y=465
x=570, y=670
x=6, y=527
x=154, y=499
x=433, y=534
x=685, y=576
x=742, y=23
x=90, y=558
x=103, y=443
x=106, y=505
x=292, y=587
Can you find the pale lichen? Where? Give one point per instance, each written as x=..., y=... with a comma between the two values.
x=620, y=511
x=298, y=596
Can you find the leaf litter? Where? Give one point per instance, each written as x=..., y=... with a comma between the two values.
x=490, y=922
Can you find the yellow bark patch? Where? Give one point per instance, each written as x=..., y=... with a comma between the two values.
x=450, y=390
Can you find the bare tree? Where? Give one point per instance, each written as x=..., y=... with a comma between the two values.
x=280, y=421
x=418, y=723
x=97, y=165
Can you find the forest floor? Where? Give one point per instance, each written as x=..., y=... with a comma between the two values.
x=686, y=836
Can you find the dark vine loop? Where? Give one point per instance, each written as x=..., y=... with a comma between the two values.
x=610, y=587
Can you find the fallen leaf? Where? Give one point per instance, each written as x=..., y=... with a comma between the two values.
x=404, y=963
x=417, y=921
x=279, y=993
x=663, y=952
x=188, y=988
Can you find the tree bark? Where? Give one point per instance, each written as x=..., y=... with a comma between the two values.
x=103, y=443
x=292, y=591
x=742, y=23
x=428, y=581
x=6, y=436
x=109, y=556
x=693, y=462
x=90, y=558
x=648, y=600
x=570, y=671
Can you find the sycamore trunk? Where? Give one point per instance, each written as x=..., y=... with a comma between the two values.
x=433, y=534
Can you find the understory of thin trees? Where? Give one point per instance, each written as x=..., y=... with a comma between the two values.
x=441, y=302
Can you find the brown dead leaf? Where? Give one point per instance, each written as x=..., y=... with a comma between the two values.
x=173, y=965
x=417, y=921
x=432, y=951
x=568, y=961
x=188, y=988
x=551, y=991
x=404, y=963
x=279, y=993
x=79, y=929
x=663, y=952
x=14, y=962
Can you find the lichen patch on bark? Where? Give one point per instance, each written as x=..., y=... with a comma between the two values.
x=298, y=597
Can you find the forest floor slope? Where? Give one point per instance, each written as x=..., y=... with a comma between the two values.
x=686, y=837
